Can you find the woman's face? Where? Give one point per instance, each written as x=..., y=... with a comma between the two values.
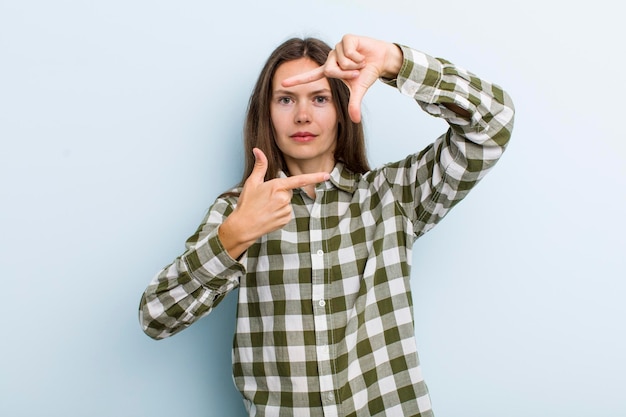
x=304, y=119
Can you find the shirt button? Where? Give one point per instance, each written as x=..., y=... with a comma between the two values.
x=324, y=350
x=322, y=303
x=320, y=253
x=330, y=396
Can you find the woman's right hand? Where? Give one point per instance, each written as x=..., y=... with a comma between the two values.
x=263, y=206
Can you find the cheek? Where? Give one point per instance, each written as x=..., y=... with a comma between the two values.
x=328, y=118
x=280, y=117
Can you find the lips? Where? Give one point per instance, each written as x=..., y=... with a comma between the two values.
x=303, y=136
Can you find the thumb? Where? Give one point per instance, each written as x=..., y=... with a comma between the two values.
x=260, y=166
x=354, y=105
x=358, y=89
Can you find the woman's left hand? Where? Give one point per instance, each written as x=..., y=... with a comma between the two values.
x=358, y=61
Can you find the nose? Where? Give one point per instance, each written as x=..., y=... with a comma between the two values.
x=303, y=113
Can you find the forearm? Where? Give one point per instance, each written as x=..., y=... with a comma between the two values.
x=480, y=116
x=173, y=301
x=477, y=110
x=191, y=286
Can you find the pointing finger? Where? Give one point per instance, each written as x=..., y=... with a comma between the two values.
x=298, y=181
x=306, y=77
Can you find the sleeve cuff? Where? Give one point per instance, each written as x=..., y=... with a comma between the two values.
x=211, y=264
x=419, y=77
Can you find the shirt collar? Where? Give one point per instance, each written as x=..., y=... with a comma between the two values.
x=343, y=178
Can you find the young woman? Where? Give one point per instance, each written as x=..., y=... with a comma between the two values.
x=318, y=243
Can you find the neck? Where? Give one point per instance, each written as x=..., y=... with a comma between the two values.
x=309, y=167
x=296, y=167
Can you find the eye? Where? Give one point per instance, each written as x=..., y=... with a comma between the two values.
x=321, y=99
x=284, y=100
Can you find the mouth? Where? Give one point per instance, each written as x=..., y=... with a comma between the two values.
x=303, y=136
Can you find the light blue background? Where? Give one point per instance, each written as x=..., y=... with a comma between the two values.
x=120, y=122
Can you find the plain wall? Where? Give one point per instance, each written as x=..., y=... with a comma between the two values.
x=120, y=122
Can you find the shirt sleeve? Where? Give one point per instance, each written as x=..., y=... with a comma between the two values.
x=191, y=286
x=428, y=184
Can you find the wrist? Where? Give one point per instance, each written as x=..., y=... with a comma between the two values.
x=232, y=236
x=393, y=61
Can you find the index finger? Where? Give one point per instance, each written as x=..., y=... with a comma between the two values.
x=305, y=77
x=298, y=181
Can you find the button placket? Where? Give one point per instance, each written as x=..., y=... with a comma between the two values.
x=319, y=300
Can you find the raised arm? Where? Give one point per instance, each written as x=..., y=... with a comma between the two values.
x=480, y=116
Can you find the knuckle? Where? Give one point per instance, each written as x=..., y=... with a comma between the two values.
x=282, y=197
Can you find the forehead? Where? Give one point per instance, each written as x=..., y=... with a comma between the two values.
x=296, y=67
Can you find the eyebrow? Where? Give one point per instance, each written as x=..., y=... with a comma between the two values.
x=312, y=93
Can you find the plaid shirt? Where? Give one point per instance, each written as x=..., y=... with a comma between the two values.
x=325, y=319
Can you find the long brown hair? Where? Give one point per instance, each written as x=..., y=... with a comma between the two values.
x=259, y=131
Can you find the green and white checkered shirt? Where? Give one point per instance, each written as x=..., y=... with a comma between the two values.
x=324, y=317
